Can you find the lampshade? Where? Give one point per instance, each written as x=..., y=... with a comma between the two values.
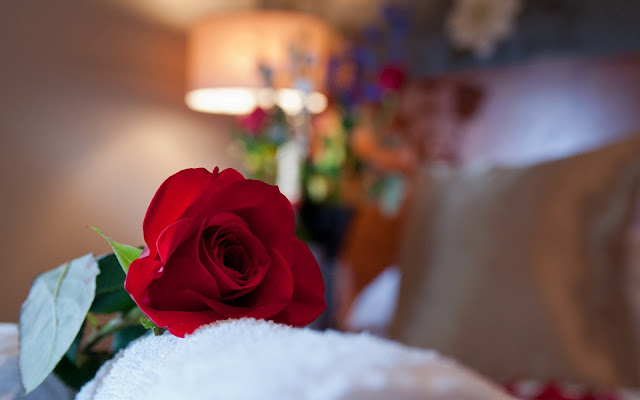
x=225, y=54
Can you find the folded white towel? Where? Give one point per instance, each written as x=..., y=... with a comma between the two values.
x=249, y=359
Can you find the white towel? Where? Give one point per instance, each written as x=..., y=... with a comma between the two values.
x=10, y=385
x=249, y=359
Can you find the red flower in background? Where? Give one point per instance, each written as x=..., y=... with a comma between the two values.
x=554, y=391
x=254, y=122
x=551, y=392
x=221, y=246
x=392, y=77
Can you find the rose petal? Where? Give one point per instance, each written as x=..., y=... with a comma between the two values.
x=237, y=261
x=180, y=300
x=173, y=197
x=141, y=272
x=182, y=271
x=308, y=293
x=178, y=322
x=266, y=211
x=174, y=235
x=267, y=300
x=181, y=323
x=177, y=194
x=234, y=312
x=232, y=283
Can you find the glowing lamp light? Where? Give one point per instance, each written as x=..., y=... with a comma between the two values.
x=224, y=54
x=222, y=100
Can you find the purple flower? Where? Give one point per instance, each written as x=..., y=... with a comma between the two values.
x=373, y=93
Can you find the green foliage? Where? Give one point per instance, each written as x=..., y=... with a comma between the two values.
x=148, y=324
x=260, y=158
x=75, y=346
x=82, y=360
x=110, y=294
x=62, y=305
x=124, y=253
x=127, y=335
x=75, y=376
x=52, y=316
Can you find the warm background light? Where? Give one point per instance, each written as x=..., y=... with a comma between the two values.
x=225, y=53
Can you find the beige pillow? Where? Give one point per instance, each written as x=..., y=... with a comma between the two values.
x=521, y=272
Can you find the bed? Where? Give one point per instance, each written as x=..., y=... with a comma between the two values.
x=520, y=259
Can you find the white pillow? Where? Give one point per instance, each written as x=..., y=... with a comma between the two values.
x=374, y=307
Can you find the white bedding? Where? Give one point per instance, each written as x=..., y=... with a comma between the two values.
x=374, y=307
x=382, y=293
x=10, y=386
x=249, y=359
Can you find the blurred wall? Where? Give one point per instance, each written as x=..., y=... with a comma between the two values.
x=92, y=120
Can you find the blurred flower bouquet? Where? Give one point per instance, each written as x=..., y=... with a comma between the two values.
x=218, y=246
x=350, y=151
x=261, y=133
x=356, y=149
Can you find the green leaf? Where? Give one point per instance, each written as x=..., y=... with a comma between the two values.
x=76, y=376
x=147, y=323
x=126, y=254
x=150, y=325
x=92, y=320
x=122, y=338
x=52, y=316
x=110, y=293
x=75, y=345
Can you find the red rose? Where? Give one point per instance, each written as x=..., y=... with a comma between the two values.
x=392, y=77
x=254, y=122
x=220, y=246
